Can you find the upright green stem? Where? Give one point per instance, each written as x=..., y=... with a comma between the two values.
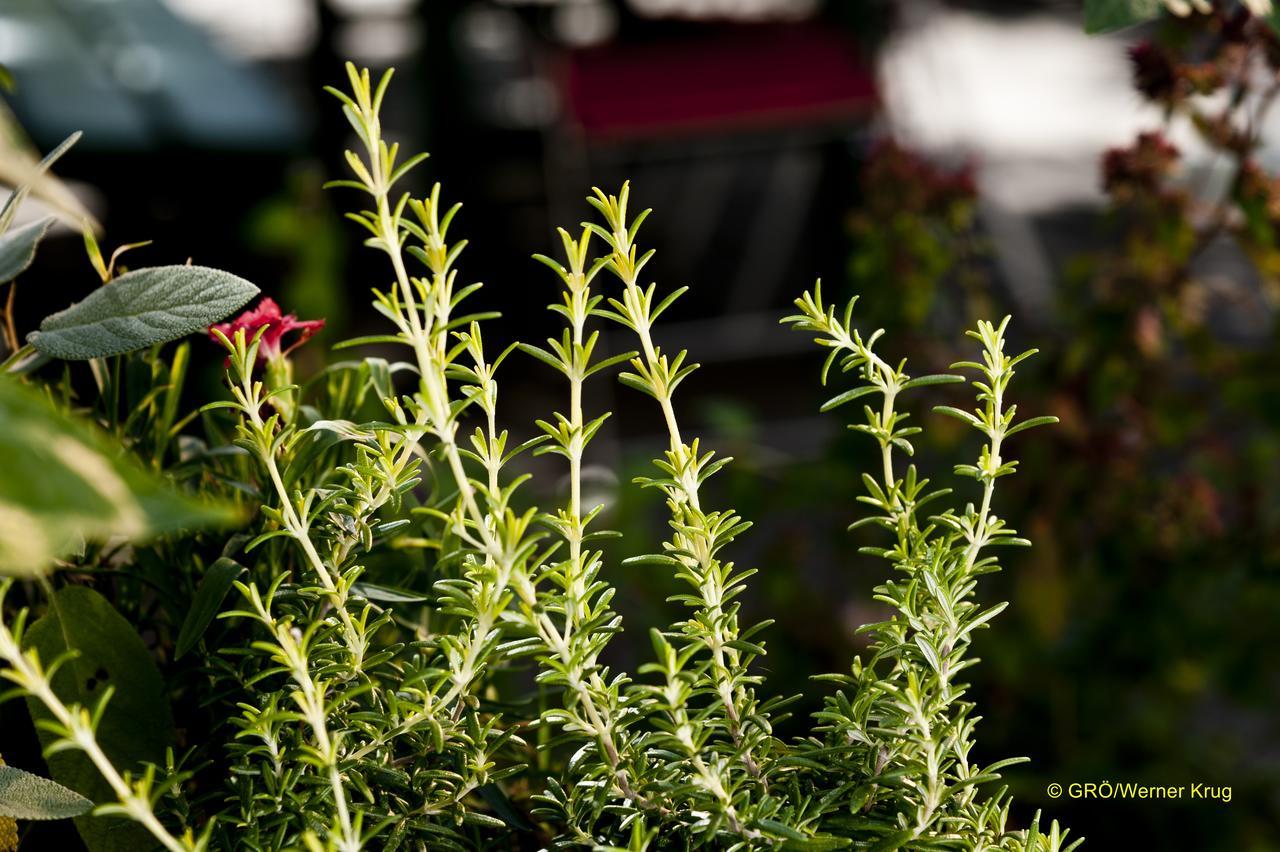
x=638, y=313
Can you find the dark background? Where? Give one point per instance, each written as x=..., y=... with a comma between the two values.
x=1140, y=642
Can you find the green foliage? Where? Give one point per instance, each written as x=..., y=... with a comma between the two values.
x=65, y=484
x=140, y=309
x=95, y=659
x=30, y=797
x=68, y=729
x=415, y=654
x=1104, y=16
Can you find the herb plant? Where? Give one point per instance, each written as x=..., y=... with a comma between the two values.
x=396, y=648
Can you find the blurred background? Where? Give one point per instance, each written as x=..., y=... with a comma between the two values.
x=947, y=161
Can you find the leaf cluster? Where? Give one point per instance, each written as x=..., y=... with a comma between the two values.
x=401, y=650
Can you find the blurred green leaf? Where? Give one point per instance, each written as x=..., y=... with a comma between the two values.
x=19, y=169
x=64, y=483
x=1104, y=16
x=140, y=309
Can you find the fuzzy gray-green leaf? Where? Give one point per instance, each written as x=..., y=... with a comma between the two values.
x=18, y=247
x=142, y=308
x=30, y=797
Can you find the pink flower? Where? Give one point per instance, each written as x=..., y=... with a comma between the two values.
x=267, y=313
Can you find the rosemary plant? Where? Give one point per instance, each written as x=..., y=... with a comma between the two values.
x=901, y=716
x=416, y=656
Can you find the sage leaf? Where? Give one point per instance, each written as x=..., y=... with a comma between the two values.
x=140, y=309
x=27, y=180
x=64, y=483
x=18, y=247
x=30, y=797
x=205, y=606
x=103, y=652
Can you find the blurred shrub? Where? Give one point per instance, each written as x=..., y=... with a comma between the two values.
x=915, y=227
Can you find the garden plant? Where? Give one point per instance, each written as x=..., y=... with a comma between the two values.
x=323, y=612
